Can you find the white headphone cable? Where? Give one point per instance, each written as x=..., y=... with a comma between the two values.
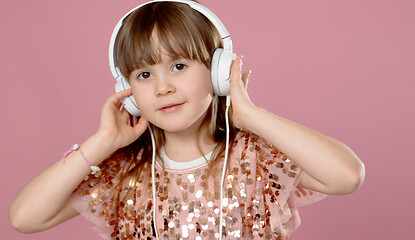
x=228, y=103
x=153, y=144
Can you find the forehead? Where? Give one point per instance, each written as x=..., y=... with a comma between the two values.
x=160, y=47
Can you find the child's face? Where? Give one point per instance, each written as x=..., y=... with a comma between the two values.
x=174, y=95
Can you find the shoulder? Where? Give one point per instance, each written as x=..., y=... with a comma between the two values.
x=254, y=143
x=267, y=161
x=260, y=155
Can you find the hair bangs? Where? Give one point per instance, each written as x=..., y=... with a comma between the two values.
x=175, y=30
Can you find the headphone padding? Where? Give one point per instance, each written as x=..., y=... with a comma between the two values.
x=220, y=71
x=129, y=102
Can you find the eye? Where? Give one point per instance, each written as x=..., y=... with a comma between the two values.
x=144, y=75
x=179, y=67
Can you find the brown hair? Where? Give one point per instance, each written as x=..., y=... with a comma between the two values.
x=183, y=33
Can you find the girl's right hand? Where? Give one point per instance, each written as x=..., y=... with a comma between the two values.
x=114, y=122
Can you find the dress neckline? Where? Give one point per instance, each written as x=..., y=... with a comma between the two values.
x=171, y=165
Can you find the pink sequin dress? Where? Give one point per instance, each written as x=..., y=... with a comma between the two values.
x=260, y=198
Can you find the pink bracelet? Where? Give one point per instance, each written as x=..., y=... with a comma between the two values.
x=75, y=147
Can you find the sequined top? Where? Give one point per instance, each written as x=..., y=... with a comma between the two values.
x=260, y=198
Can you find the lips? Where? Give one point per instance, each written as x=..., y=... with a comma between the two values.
x=171, y=107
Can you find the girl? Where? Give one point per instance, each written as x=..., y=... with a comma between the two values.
x=166, y=50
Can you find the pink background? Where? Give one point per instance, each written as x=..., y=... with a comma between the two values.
x=344, y=68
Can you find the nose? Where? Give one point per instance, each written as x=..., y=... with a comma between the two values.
x=164, y=86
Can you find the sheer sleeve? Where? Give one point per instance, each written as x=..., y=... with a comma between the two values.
x=282, y=196
x=95, y=198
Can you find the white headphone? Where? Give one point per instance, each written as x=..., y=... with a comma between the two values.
x=220, y=66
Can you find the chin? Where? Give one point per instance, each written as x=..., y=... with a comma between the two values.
x=175, y=128
x=179, y=122
x=178, y=125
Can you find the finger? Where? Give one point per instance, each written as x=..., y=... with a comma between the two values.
x=141, y=126
x=134, y=120
x=245, y=77
x=236, y=70
x=236, y=64
x=125, y=115
x=116, y=97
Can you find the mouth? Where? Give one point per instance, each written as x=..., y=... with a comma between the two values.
x=171, y=107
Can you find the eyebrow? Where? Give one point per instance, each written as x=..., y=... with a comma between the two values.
x=169, y=61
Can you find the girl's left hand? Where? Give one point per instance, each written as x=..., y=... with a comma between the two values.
x=241, y=103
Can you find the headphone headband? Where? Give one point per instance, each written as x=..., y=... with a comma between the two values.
x=221, y=59
x=227, y=42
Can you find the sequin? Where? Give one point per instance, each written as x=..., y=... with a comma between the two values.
x=199, y=194
x=94, y=194
x=131, y=183
x=225, y=202
x=185, y=231
x=230, y=206
x=191, y=178
x=171, y=224
x=188, y=202
x=291, y=174
x=184, y=186
x=216, y=211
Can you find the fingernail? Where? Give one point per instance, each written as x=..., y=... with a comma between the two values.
x=249, y=74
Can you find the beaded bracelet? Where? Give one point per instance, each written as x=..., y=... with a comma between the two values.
x=75, y=147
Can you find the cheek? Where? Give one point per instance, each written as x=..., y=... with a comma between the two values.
x=208, y=86
x=203, y=92
x=141, y=98
x=208, y=82
x=203, y=86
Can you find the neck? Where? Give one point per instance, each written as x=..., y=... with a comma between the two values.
x=182, y=146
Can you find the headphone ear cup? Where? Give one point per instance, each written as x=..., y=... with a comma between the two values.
x=129, y=102
x=220, y=71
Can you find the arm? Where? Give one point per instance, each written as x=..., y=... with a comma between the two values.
x=329, y=166
x=44, y=201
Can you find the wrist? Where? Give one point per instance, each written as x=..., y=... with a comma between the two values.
x=98, y=147
x=252, y=118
